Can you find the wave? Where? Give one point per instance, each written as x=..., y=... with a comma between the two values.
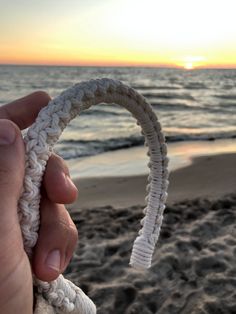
x=169, y=96
x=230, y=105
x=199, y=137
x=195, y=85
x=155, y=87
x=99, y=112
x=70, y=149
x=226, y=96
x=228, y=86
x=82, y=148
x=174, y=106
x=168, y=106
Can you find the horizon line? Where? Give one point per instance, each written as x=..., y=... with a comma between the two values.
x=164, y=66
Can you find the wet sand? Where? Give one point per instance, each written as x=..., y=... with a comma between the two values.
x=207, y=177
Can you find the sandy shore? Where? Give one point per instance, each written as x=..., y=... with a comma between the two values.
x=207, y=177
x=193, y=267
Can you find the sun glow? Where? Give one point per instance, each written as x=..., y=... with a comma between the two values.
x=188, y=66
x=191, y=62
x=125, y=32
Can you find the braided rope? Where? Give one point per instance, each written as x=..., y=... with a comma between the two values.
x=40, y=138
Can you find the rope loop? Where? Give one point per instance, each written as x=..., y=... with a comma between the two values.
x=40, y=139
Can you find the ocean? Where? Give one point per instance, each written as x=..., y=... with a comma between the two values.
x=191, y=105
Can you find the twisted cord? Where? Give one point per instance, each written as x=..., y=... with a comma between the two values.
x=40, y=138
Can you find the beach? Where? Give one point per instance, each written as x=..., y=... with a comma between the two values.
x=193, y=269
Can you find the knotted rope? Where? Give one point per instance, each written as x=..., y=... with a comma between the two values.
x=40, y=138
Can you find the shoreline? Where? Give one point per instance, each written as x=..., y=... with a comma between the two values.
x=209, y=177
x=133, y=161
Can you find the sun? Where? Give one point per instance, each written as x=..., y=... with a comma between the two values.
x=190, y=62
x=189, y=66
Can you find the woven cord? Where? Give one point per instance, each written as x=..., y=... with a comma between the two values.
x=40, y=139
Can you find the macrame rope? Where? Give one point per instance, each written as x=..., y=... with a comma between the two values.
x=40, y=139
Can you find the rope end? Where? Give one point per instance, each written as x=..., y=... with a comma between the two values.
x=141, y=257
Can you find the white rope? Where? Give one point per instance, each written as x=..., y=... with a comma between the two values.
x=40, y=138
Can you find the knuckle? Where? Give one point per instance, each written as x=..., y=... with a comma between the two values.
x=42, y=96
x=74, y=234
x=68, y=229
x=58, y=159
x=61, y=163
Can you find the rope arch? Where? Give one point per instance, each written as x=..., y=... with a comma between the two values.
x=40, y=139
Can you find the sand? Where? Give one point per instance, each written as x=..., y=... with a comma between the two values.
x=207, y=177
x=193, y=267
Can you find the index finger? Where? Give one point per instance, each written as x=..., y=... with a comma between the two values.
x=24, y=111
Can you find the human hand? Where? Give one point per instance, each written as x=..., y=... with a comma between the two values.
x=57, y=234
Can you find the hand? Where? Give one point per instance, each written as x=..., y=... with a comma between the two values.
x=57, y=234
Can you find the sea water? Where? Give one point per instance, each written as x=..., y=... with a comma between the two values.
x=191, y=105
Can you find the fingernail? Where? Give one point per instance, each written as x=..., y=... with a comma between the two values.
x=53, y=260
x=7, y=133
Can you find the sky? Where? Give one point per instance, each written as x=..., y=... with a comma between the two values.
x=182, y=33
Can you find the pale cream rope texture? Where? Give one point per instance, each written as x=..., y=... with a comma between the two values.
x=44, y=133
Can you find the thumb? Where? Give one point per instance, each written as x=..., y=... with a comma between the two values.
x=11, y=171
x=14, y=263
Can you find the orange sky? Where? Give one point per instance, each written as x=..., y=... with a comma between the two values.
x=185, y=33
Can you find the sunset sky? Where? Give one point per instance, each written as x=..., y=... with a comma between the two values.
x=186, y=33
